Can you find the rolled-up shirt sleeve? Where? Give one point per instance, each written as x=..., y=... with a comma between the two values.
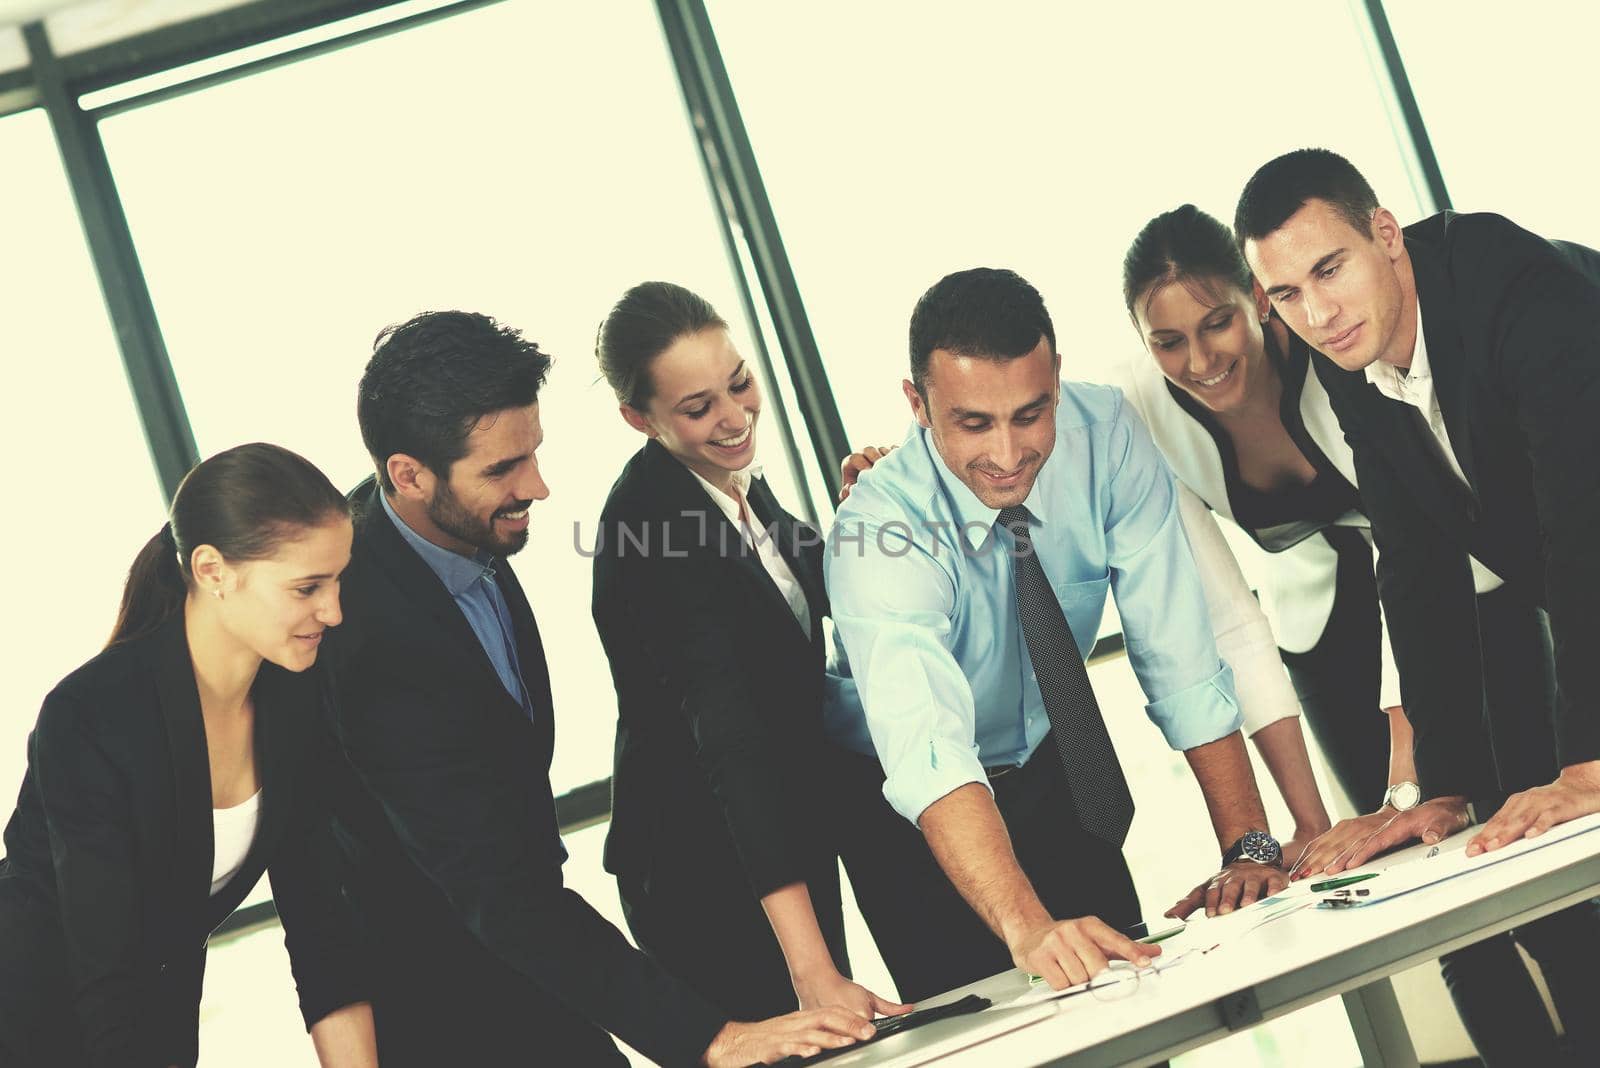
x=1166, y=627
x=892, y=606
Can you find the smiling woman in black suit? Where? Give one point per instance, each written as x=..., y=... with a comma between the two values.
x=708, y=596
x=168, y=772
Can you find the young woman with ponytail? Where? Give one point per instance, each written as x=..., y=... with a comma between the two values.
x=166, y=774
x=726, y=795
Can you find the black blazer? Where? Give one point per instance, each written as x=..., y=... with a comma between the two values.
x=1512, y=326
x=719, y=690
x=454, y=835
x=105, y=902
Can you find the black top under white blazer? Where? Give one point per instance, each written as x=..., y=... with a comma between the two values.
x=1296, y=574
x=105, y=889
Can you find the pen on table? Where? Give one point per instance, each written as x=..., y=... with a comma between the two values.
x=1334, y=884
x=1151, y=940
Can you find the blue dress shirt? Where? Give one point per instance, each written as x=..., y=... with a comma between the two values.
x=924, y=601
x=470, y=581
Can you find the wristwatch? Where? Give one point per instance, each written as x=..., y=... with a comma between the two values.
x=1403, y=796
x=1258, y=846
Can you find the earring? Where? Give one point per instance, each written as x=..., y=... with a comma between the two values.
x=217, y=592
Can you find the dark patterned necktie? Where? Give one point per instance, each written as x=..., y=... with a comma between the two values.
x=1100, y=797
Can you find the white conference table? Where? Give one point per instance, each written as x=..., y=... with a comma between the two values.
x=1264, y=968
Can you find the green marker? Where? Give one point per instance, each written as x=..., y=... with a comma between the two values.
x=1334, y=884
x=1164, y=935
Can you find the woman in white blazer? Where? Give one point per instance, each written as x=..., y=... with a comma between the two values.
x=1226, y=390
x=1295, y=548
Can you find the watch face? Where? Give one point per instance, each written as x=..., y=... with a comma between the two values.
x=1405, y=795
x=1260, y=847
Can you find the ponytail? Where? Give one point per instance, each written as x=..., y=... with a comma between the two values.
x=646, y=322
x=244, y=502
x=155, y=589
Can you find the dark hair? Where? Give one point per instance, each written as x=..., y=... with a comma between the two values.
x=1282, y=187
x=986, y=312
x=640, y=327
x=433, y=377
x=1183, y=245
x=245, y=503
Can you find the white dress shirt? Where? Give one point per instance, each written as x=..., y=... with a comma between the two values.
x=233, y=829
x=738, y=512
x=1414, y=386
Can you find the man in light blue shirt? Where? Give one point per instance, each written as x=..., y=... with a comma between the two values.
x=929, y=591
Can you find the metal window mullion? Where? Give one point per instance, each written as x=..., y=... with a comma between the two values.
x=1405, y=101
x=312, y=50
x=744, y=210
x=203, y=37
x=116, y=263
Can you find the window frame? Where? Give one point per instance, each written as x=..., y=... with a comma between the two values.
x=769, y=289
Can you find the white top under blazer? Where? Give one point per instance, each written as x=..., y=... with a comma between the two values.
x=232, y=830
x=762, y=541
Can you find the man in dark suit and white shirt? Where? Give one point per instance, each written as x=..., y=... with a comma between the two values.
x=1463, y=359
x=444, y=711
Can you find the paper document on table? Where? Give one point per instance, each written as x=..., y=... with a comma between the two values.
x=1041, y=991
x=1121, y=977
x=1449, y=859
x=1201, y=936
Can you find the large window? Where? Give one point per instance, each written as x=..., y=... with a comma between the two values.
x=526, y=161
x=1508, y=94
x=533, y=160
x=86, y=497
x=901, y=141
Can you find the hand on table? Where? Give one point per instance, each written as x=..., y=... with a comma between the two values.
x=1296, y=847
x=851, y=467
x=1241, y=883
x=835, y=991
x=1325, y=853
x=1576, y=792
x=1069, y=952
x=1353, y=842
x=799, y=1034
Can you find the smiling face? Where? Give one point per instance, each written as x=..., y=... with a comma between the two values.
x=992, y=420
x=704, y=405
x=1348, y=294
x=1206, y=336
x=482, y=503
x=279, y=606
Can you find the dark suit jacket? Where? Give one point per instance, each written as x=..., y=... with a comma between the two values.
x=1512, y=326
x=454, y=835
x=104, y=891
x=719, y=690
